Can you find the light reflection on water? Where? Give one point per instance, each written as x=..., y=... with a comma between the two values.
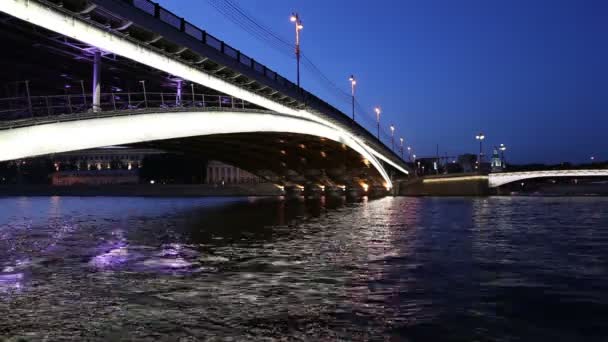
x=455, y=269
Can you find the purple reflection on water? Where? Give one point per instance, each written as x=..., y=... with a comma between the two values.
x=11, y=282
x=114, y=257
x=172, y=257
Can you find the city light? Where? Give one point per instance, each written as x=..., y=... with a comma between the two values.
x=295, y=18
x=480, y=137
x=378, y=111
x=353, y=83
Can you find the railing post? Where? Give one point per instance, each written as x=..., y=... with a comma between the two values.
x=48, y=107
x=162, y=99
x=204, y=105
x=84, y=96
x=69, y=104
x=114, y=101
x=29, y=99
x=193, y=98
x=219, y=99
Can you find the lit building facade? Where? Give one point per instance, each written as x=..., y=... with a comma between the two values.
x=107, y=158
x=220, y=173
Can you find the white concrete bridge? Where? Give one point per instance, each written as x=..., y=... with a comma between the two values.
x=498, y=179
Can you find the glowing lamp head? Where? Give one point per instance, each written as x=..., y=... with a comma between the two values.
x=480, y=136
x=300, y=26
x=293, y=18
x=392, y=129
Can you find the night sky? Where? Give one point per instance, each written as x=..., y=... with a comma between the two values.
x=531, y=74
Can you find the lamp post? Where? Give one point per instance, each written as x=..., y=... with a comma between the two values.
x=480, y=137
x=393, y=136
x=353, y=83
x=409, y=153
x=295, y=18
x=502, y=149
x=401, y=147
x=378, y=111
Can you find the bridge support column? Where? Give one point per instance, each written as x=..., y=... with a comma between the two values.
x=293, y=192
x=313, y=192
x=178, y=93
x=354, y=193
x=378, y=191
x=97, y=81
x=334, y=192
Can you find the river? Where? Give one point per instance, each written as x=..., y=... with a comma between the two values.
x=263, y=269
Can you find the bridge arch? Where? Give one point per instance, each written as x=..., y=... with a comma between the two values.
x=500, y=179
x=75, y=27
x=94, y=131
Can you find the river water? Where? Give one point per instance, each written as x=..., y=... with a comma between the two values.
x=255, y=269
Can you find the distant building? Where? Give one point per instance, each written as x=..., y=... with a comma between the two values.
x=496, y=164
x=221, y=173
x=106, y=158
x=99, y=166
x=103, y=177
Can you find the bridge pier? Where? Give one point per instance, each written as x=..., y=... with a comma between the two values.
x=354, y=193
x=377, y=191
x=332, y=192
x=293, y=192
x=313, y=191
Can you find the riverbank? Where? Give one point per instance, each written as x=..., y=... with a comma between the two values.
x=144, y=190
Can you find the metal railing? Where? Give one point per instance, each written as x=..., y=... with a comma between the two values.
x=16, y=108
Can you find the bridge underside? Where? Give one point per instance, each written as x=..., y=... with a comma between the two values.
x=282, y=158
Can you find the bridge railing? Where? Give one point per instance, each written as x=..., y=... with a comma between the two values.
x=15, y=108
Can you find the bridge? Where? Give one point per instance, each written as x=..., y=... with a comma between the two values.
x=90, y=73
x=496, y=180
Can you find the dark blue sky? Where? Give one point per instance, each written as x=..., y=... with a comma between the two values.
x=531, y=74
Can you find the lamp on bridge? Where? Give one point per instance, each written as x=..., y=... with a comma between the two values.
x=377, y=110
x=295, y=18
x=401, y=147
x=353, y=83
x=502, y=149
x=393, y=136
x=409, y=152
x=480, y=137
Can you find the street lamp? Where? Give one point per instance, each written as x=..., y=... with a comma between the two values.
x=401, y=147
x=393, y=136
x=353, y=83
x=502, y=149
x=409, y=153
x=295, y=18
x=480, y=137
x=378, y=111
